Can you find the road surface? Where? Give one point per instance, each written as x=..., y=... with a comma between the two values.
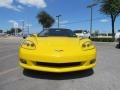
x=106, y=76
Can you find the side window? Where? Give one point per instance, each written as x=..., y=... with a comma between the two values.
x=44, y=33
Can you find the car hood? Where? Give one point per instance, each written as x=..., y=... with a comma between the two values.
x=64, y=43
x=58, y=41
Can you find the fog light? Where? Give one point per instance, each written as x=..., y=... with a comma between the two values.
x=92, y=61
x=23, y=61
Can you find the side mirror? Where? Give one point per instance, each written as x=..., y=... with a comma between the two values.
x=34, y=35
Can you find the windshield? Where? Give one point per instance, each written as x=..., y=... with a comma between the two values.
x=85, y=31
x=78, y=31
x=57, y=32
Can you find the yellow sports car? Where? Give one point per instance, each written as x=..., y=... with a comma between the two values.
x=57, y=50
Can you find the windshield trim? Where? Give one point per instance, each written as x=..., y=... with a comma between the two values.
x=52, y=32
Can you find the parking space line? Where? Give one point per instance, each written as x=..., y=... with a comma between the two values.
x=7, y=46
x=8, y=50
x=7, y=71
x=7, y=56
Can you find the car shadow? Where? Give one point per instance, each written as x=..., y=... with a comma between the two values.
x=58, y=76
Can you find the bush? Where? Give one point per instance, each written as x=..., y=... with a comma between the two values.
x=103, y=39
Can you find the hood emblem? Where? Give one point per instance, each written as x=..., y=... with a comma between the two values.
x=59, y=50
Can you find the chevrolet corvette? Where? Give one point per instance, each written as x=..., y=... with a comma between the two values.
x=57, y=50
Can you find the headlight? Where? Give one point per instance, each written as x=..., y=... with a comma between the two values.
x=88, y=45
x=28, y=45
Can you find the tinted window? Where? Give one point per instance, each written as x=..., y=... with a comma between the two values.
x=78, y=31
x=57, y=32
x=86, y=32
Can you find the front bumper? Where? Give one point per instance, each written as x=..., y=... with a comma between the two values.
x=33, y=66
x=29, y=60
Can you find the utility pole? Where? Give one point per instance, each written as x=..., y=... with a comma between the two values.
x=15, y=26
x=91, y=18
x=23, y=25
x=58, y=20
x=28, y=28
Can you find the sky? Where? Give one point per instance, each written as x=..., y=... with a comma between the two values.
x=75, y=14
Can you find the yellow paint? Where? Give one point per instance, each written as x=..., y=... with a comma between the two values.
x=57, y=50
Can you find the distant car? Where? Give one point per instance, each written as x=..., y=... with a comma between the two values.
x=117, y=38
x=117, y=35
x=57, y=50
x=82, y=33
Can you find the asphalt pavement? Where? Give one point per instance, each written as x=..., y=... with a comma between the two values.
x=105, y=76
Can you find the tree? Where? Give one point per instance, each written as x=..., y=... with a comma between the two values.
x=112, y=9
x=8, y=32
x=45, y=19
x=96, y=32
x=12, y=30
x=18, y=30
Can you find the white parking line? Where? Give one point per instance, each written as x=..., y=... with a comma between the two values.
x=7, y=71
x=8, y=50
x=5, y=57
x=7, y=46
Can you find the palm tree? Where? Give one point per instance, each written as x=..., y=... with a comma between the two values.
x=112, y=9
x=45, y=19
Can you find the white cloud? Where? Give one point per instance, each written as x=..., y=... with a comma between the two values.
x=12, y=21
x=19, y=7
x=11, y=5
x=15, y=24
x=36, y=3
x=63, y=25
x=63, y=22
x=104, y=20
x=8, y=4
